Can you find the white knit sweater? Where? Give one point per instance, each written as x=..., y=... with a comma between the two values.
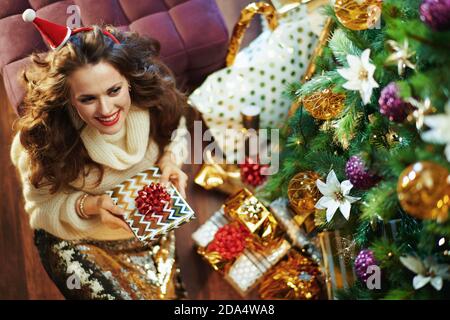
x=56, y=213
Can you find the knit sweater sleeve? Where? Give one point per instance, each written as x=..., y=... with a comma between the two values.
x=55, y=213
x=179, y=143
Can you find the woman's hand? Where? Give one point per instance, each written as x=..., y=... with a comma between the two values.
x=103, y=206
x=171, y=172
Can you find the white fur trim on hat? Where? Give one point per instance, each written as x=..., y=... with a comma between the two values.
x=29, y=15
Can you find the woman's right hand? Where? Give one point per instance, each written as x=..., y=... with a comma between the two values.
x=103, y=206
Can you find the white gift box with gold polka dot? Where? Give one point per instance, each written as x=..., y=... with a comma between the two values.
x=260, y=74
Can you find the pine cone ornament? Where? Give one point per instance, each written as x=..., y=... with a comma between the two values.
x=151, y=200
x=392, y=105
x=364, y=259
x=358, y=174
x=251, y=172
x=436, y=14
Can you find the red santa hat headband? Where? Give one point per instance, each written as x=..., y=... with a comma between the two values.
x=54, y=34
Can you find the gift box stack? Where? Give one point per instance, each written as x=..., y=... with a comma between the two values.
x=245, y=243
x=151, y=210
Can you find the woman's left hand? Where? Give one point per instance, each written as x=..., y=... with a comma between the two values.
x=171, y=172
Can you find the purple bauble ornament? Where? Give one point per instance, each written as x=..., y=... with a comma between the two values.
x=436, y=14
x=392, y=106
x=364, y=259
x=357, y=173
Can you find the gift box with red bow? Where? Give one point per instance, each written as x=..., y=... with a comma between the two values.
x=151, y=210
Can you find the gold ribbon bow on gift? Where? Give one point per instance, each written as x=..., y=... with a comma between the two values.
x=224, y=177
x=246, y=208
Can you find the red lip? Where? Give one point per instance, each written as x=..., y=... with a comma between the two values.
x=110, y=123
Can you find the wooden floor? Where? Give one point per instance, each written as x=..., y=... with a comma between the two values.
x=21, y=273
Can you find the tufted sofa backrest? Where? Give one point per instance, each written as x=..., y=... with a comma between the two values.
x=192, y=33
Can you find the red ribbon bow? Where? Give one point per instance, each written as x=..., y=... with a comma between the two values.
x=151, y=200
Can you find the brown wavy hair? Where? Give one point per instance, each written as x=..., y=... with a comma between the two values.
x=57, y=153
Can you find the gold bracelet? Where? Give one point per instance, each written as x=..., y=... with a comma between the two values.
x=83, y=214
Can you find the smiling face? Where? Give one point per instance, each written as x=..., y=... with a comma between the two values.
x=101, y=97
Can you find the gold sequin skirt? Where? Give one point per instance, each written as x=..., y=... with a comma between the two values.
x=123, y=269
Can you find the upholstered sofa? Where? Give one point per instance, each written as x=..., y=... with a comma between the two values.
x=193, y=33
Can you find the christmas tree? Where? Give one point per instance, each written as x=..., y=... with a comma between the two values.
x=368, y=145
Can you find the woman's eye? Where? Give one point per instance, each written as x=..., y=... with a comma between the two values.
x=87, y=100
x=116, y=90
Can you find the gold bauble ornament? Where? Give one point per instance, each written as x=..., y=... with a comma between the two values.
x=296, y=278
x=324, y=105
x=303, y=193
x=358, y=14
x=423, y=189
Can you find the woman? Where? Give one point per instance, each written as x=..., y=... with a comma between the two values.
x=99, y=108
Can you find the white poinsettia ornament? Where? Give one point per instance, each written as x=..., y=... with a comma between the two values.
x=335, y=196
x=359, y=75
x=440, y=129
x=427, y=272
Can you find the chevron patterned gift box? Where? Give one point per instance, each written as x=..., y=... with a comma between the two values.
x=175, y=213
